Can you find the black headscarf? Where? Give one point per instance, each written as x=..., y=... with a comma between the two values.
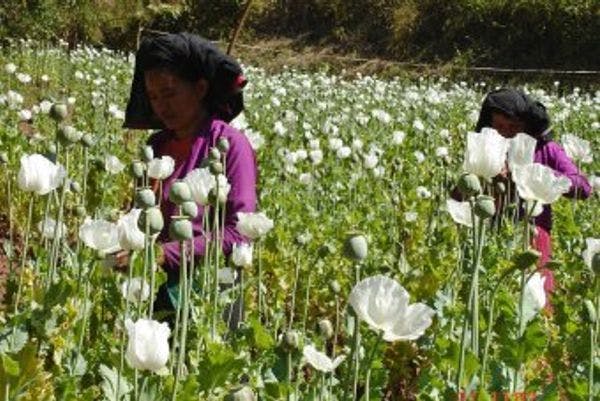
x=190, y=57
x=515, y=104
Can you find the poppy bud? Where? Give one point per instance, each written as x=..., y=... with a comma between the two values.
x=68, y=135
x=58, y=112
x=145, y=198
x=596, y=263
x=325, y=328
x=189, y=209
x=590, y=311
x=335, y=286
x=180, y=192
x=469, y=185
x=485, y=207
x=241, y=394
x=3, y=158
x=79, y=211
x=223, y=144
x=154, y=218
x=75, y=187
x=291, y=340
x=181, y=229
x=87, y=140
x=356, y=247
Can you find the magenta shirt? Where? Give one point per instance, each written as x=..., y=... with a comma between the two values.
x=551, y=154
x=241, y=172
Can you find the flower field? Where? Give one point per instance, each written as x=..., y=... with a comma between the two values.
x=364, y=280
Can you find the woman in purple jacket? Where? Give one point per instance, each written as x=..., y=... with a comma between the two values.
x=510, y=111
x=189, y=90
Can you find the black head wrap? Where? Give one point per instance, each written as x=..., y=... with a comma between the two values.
x=190, y=57
x=515, y=104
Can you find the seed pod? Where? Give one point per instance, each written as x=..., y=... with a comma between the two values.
x=356, y=247
x=291, y=340
x=485, y=207
x=216, y=167
x=137, y=169
x=145, y=198
x=3, y=158
x=500, y=187
x=79, y=211
x=87, y=140
x=68, y=135
x=325, y=328
x=147, y=153
x=180, y=192
x=189, y=209
x=75, y=187
x=181, y=229
x=154, y=218
x=223, y=144
x=526, y=259
x=590, y=311
x=58, y=112
x=469, y=185
x=214, y=154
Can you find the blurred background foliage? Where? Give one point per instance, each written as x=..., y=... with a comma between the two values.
x=502, y=33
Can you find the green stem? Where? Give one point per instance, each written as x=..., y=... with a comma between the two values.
x=215, y=287
x=295, y=288
x=56, y=240
x=259, y=289
x=183, y=285
x=24, y=256
x=369, y=363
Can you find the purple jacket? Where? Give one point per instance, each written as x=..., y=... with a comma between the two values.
x=551, y=154
x=241, y=174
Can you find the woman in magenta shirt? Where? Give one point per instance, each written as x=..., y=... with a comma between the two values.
x=509, y=112
x=188, y=90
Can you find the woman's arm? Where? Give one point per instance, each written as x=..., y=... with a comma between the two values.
x=241, y=173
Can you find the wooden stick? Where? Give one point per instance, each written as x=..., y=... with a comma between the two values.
x=238, y=27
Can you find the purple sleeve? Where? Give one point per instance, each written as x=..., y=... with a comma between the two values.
x=561, y=163
x=241, y=173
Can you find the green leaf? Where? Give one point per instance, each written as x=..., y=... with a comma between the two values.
x=534, y=340
x=261, y=338
x=219, y=363
x=110, y=382
x=12, y=340
x=10, y=366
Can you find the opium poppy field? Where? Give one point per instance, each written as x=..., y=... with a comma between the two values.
x=362, y=277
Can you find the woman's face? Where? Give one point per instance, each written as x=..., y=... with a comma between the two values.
x=506, y=126
x=176, y=102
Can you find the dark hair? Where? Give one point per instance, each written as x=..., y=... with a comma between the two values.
x=191, y=58
x=514, y=103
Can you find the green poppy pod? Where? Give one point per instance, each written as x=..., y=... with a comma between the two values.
x=180, y=229
x=59, y=112
x=485, y=207
x=180, y=192
x=189, y=209
x=145, y=198
x=154, y=218
x=469, y=185
x=356, y=247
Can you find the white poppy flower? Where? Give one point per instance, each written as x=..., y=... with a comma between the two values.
x=343, y=152
x=38, y=174
x=420, y=156
x=223, y=187
x=148, y=346
x=130, y=236
x=460, y=212
x=383, y=304
x=536, y=182
x=10, y=68
x=25, y=115
x=113, y=165
x=241, y=255
x=320, y=360
x=256, y=139
x=485, y=155
x=48, y=226
x=100, y=235
x=201, y=182
x=135, y=290
x=521, y=150
x=226, y=275
x=534, y=297
x=14, y=99
x=577, y=148
x=253, y=225
x=371, y=161
x=316, y=156
x=423, y=192
x=592, y=248
x=161, y=168
x=398, y=137
x=595, y=182
x=411, y=216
